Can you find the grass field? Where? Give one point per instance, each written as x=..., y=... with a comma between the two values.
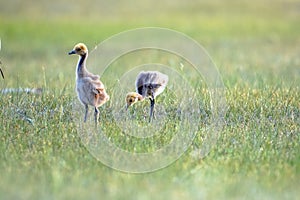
x=255, y=46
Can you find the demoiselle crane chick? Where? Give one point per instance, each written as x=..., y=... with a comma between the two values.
x=148, y=84
x=89, y=88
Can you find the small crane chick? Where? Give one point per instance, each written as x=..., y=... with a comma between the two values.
x=90, y=89
x=148, y=84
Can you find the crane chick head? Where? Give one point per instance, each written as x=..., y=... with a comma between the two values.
x=132, y=98
x=79, y=49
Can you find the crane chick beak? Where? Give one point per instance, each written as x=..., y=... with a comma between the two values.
x=72, y=52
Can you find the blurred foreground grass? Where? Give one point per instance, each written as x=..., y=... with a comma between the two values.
x=255, y=46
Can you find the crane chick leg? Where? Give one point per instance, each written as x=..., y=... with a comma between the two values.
x=152, y=101
x=96, y=115
x=2, y=73
x=86, y=112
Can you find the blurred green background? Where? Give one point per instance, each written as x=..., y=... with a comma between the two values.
x=255, y=45
x=259, y=37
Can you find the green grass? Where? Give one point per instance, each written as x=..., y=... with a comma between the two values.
x=257, y=154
